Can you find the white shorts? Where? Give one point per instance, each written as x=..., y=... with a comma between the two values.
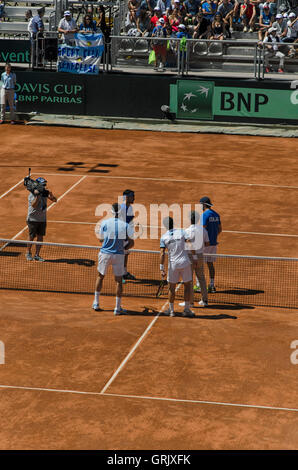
x=106, y=259
x=174, y=275
x=210, y=250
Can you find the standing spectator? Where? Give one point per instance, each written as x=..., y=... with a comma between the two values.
x=218, y=30
x=248, y=16
x=37, y=218
x=37, y=27
x=226, y=9
x=212, y=223
x=134, y=7
x=265, y=21
x=9, y=80
x=29, y=18
x=271, y=42
x=101, y=23
x=68, y=27
x=88, y=25
x=209, y=8
x=202, y=27
x=159, y=34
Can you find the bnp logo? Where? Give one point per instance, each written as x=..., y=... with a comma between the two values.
x=194, y=99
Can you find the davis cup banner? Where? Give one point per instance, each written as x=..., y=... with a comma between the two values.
x=84, y=57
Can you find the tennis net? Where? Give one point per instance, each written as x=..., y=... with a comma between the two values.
x=245, y=280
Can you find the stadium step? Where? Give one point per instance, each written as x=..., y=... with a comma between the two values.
x=19, y=12
x=17, y=27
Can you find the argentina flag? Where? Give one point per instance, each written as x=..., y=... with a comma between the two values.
x=89, y=40
x=84, y=58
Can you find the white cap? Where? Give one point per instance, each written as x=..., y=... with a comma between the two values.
x=271, y=30
x=161, y=20
x=181, y=26
x=278, y=16
x=67, y=13
x=285, y=15
x=292, y=15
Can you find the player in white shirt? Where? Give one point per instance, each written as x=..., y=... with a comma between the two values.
x=179, y=265
x=198, y=238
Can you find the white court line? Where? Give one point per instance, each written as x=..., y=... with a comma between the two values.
x=171, y=180
x=136, y=345
x=140, y=397
x=159, y=227
x=53, y=204
x=10, y=189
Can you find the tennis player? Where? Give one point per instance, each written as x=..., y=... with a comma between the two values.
x=113, y=234
x=179, y=265
x=212, y=223
x=198, y=238
x=127, y=215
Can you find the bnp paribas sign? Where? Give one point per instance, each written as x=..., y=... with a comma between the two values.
x=197, y=99
x=15, y=51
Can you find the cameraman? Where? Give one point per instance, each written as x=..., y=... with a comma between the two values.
x=37, y=217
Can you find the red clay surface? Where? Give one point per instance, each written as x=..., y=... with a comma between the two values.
x=55, y=389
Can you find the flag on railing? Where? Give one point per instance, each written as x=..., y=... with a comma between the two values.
x=84, y=58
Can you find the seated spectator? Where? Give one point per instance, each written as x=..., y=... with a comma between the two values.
x=209, y=8
x=148, y=5
x=191, y=9
x=68, y=27
x=134, y=10
x=159, y=45
x=175, y=19
x=218, y=30
x=164, y=6
x=226, y=9
x=157, y=15
x=144, y=24
x=265, y=21
x=202, y=27
x=292, y=28
x=179, y=6
x=272, y=7
x=248, y=16
x=88, y=25
x=280, y=24
x=271, y=42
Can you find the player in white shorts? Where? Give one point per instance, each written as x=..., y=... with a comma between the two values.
x=198, y=238
x=179, y=265
x=113, y=234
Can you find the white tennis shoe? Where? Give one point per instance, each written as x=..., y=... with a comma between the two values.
x=120, y=311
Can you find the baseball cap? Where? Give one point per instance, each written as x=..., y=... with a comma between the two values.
x=67, y=13
x=266, y=5
x=181, y=26
x=206, y=200
x=292, y=15
x=278, y=16
x=157, y=9
x=272, y=29
x=161, y=20
x=285, y=15
x=41, y=180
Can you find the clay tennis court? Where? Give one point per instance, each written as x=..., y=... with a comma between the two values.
x=78, y=379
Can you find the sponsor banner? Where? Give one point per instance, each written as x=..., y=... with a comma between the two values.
x=15, y=51
x=84, y=58
x=204, y=99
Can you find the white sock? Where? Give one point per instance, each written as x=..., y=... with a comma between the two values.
x=96, y=297
x=171, y=307
x=197, y=282
x=118, y=303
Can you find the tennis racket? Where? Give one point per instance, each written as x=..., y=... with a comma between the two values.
x=161, y=287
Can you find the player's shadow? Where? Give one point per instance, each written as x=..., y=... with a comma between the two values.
x=241, y=291
x=79, y=261
x=152, y=311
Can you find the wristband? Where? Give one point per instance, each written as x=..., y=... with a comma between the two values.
x=162, y=268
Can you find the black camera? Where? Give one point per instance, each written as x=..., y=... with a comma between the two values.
x=34, y=186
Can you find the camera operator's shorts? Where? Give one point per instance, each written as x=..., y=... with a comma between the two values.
x=116, y=261
x=36, y=228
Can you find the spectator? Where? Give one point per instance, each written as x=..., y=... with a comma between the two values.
x=202, y=27
x=292, y=28
x=280, y=24
x=134, y=10
x=248, y=16
x=149, y=5
x=226, y=9
x=157, y=15
x=68, y=27
x=88, y=25
x=209, y=8
x=160, y=45
x=265, y=21
x=29, y=18
x=8, y=78
x=101, y=23
x=179, y=6
x=271, y=42
x=164, y=6
x=143, y=23
x=37, y=28
x=192, y=8
x=175, y=19
x=218, y=30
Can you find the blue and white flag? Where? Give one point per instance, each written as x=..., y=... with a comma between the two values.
x=82, y=58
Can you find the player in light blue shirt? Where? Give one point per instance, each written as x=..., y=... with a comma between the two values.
x=114, y=233
x=212, y=223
